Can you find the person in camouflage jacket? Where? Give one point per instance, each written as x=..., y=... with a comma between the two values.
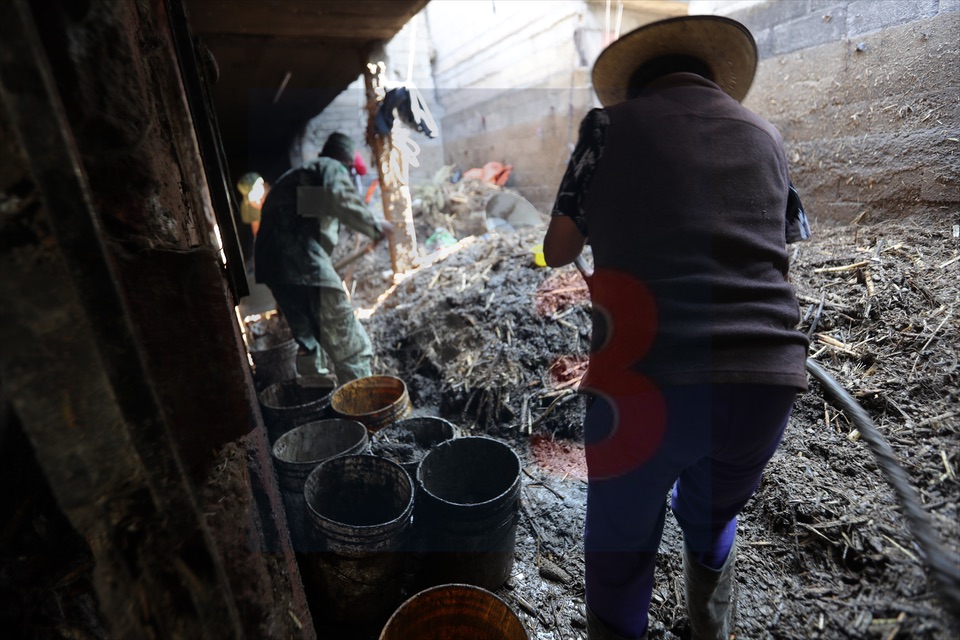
x=299, y=228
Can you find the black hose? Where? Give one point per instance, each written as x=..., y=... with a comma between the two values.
x=944, y=573
x=941, y=568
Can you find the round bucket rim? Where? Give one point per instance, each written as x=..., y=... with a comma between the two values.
x=448, y=428
x=405, y=514
x=333, y=393
x=443, y=422
x=444, y=587
x=292, y=382
x=279, y=346
x=514, y=486
x=301, y=427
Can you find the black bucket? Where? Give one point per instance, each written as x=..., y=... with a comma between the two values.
x=274, y=360
x=468, y=492
x=407, y=441
x=286, y=405
x=301, y=450
x=459, y=611
x=361, y=508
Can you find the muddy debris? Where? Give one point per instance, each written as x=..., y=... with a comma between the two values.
x=484, y=338
x=495, y=344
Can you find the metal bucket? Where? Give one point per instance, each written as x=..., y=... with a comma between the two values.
x=376, y=401
x=460, y=611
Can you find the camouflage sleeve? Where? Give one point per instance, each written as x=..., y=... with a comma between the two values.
x=576, y=180
x=350, y=208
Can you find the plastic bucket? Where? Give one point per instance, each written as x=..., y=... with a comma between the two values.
x=376, y=401
x=286, y=405
x=407, y=441
x=468, y=492
x=460, y=611
x=361, y=509
x=538, y=258
x=298, y=452
x=274, y=360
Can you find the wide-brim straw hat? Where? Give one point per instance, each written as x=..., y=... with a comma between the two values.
x=725, y=45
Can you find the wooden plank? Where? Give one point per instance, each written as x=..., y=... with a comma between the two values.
x=77, y=378
x=356, y=19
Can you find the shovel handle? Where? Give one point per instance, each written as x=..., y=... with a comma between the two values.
x=353, y=257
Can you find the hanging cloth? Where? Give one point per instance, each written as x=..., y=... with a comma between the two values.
x=408, y=103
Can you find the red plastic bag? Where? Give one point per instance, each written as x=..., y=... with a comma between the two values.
x=493, y=172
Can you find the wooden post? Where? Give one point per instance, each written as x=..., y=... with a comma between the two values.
x=392, y=156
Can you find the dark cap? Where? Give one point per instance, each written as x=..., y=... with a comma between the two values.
x=340, y=147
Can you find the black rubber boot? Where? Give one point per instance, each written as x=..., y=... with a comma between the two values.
x=711, y=602
x=598, y=630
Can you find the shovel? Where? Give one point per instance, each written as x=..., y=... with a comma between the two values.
x=356, y=255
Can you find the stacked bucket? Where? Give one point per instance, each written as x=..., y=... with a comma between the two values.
x=372, y=524
x=273, y=351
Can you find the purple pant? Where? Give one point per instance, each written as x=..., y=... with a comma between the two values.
x=717, y=440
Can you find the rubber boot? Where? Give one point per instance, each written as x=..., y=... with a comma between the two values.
x=711, y=604
x=598, y=630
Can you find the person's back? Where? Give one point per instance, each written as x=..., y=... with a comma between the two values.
x=292, y=247
x=689, y=198
x=696, y=360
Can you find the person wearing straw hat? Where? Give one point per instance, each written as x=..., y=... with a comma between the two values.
x=696, y=360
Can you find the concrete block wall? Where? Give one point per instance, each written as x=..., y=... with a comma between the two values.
x=514, y=81
x=506, y=81
x=789, y=25
x=511, y=88
x=865, y=93
x=532, y=129
x=503, y=51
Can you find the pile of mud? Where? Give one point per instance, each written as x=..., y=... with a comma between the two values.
x=487, y=337
x=490, y=341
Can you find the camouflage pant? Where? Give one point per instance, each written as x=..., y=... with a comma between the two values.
x=322, y=318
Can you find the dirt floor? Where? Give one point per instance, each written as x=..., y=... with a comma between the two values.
x=495, y=344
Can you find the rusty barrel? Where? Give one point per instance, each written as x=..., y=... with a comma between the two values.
x=460, y=611
x=376, y=401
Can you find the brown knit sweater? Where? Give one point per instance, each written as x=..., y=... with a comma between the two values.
x=688, y=198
